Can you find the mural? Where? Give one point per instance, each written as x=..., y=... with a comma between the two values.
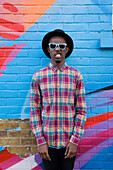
x=13, y=25
x=20, y=57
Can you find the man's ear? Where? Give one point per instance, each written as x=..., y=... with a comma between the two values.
x=67, y=49
x=48, y=49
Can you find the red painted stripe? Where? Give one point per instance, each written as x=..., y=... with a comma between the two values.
x=92, y=141
x=98, y=119
x=9, y=36
x=12, y=25
x=5, y=155
x=1, y=74
x=10, y=162
x=10, y=7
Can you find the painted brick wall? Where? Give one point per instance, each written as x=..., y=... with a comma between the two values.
x=23, y=23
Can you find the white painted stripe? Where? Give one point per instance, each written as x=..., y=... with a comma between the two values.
x=25, y=105
x=26, y=164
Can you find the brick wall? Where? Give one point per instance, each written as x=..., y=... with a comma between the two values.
x=16, y=136
x=22, y=27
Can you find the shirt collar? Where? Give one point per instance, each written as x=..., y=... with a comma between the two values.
x=54, y=68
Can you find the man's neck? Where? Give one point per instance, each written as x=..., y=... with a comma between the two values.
x=58, y=64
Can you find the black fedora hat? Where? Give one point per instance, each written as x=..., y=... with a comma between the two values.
x=61, y=33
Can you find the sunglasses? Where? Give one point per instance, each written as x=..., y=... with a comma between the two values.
x=61, y=46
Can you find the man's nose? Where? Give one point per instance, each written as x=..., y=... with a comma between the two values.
x=57, y=48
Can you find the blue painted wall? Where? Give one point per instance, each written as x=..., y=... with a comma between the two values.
x=88, y=22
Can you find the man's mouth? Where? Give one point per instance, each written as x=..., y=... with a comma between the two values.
x=58, y=56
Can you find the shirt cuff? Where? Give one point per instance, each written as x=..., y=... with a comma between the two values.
x=74, y=140
x=40, y=141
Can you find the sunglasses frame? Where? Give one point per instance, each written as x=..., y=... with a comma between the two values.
x=57, y=45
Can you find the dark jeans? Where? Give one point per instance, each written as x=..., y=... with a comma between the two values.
x=57, y=160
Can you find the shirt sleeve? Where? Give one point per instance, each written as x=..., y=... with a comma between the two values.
x=80, y=111
x=35, y=111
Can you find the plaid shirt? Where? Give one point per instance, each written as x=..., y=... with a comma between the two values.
x=58, y=106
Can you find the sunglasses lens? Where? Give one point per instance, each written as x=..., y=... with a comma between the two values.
x=62, y=46
x=52, y=46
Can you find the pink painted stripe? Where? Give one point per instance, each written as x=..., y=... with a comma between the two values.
x=10, y=162
x=14, y=52
x=102, y=104
x=94, y=140
x=87, y=156
x=98, y=127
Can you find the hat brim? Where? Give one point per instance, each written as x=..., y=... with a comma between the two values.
x=61, y=33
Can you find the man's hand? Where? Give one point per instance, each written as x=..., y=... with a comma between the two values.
x=43, y=152
x=71, y=150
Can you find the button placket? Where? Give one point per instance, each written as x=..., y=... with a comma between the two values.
x=58, y=98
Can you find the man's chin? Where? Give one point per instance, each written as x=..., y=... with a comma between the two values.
x=58, y=61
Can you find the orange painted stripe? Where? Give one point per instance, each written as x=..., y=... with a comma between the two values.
x=5, y=155
x=98, y=119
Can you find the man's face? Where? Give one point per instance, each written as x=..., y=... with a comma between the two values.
x=57, y=54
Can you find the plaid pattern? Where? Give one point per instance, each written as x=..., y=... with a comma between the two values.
x=58, y=106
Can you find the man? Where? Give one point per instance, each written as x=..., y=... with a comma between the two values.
x=58, y=105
